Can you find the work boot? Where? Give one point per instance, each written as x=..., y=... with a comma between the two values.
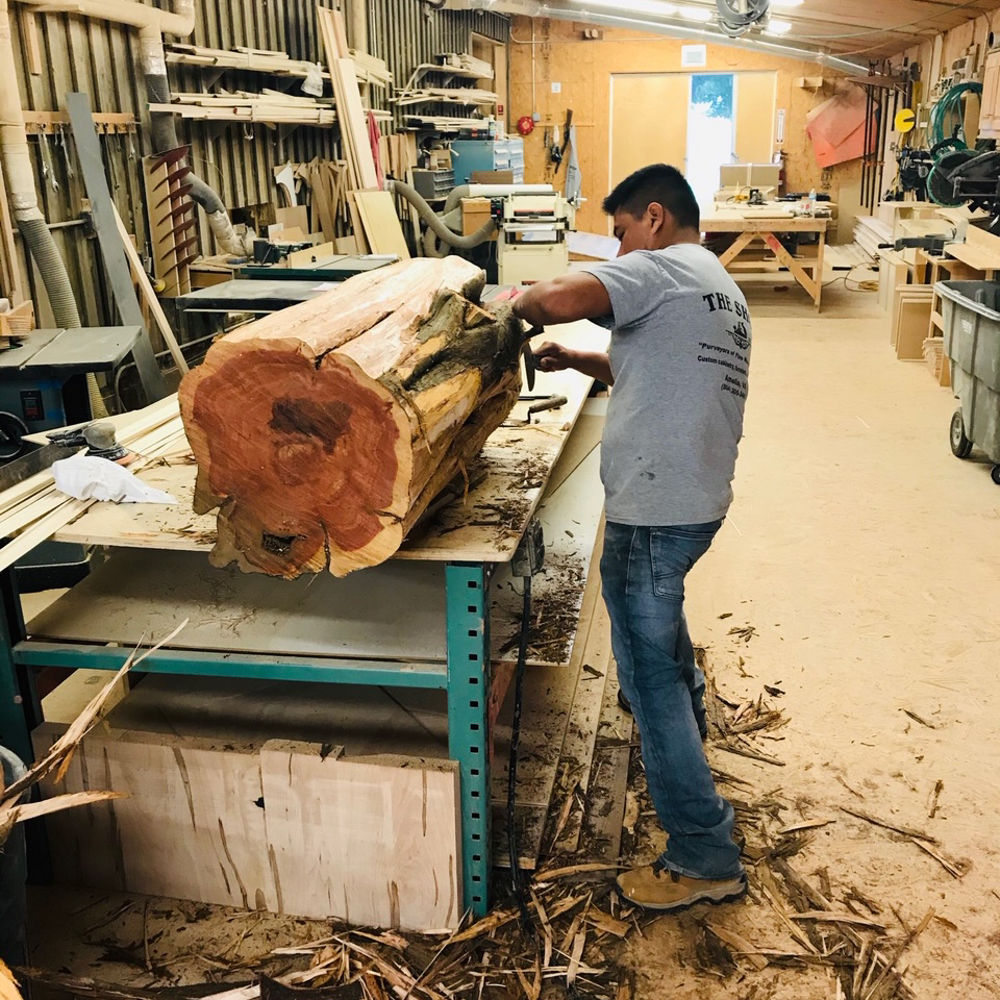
x=626, y=704
x=654, y=887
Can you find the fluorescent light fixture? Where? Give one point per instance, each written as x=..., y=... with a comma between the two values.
x=702, y=14
x=778, y=27
x=787, y=3
x=653, y=7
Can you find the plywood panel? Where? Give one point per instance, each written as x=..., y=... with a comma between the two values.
x=755, y=116
x=637, y=99
x=192, y=825
x=381, y=839
x=381, y=224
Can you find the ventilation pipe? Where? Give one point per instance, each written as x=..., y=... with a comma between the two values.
x=666, y=26
x=438, y=231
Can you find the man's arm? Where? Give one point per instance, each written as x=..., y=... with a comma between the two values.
x=563, y=300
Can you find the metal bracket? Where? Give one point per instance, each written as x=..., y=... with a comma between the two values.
x=530, y=554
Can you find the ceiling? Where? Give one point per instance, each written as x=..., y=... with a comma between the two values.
x=873, y=28
x=858, y=30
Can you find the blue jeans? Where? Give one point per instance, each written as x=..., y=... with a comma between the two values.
x=642, y=573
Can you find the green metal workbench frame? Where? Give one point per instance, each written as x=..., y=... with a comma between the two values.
x=465, y=677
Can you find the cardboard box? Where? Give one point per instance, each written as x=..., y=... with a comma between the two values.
x=475, y=215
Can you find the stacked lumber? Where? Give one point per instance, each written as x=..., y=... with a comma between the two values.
x=370, y=69
x=443, y=123
x=18, y=321
x=910, y=318
x=446, y=95
x=354, y=132
x=34, y=510
x=249, y=60
x=869, y=232
x=934, y=355
x=322, y=433
x=269, y=106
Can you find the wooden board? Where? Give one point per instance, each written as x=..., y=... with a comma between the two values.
x=911, y=327
x=152, y=591
x=285, y=827
x=381, y=223
x=371, y=841
x=190, y=826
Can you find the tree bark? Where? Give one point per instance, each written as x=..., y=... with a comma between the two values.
x=322, y=432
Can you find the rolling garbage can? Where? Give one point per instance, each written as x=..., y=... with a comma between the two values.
x=13, y=877
x=971, y=314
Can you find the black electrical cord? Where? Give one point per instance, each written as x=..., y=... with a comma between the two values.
x=516, y=875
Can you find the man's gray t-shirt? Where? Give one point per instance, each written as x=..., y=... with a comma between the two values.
x=680, y=353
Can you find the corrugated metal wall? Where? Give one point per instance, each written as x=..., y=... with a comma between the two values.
x=101, y=59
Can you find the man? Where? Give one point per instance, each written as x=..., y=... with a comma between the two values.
x=678, y=364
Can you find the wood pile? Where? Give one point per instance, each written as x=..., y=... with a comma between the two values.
x=354, y=125
x=369, y=68
x=445, y=95
x=934, y=355
x=18, y=321
x=268, y=107
x=322, y=433
x=869, y=232
x=34, y=510
x=268, y=61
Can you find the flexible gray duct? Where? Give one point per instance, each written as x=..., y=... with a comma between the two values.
x=24, y=202
x=437, y=228
x=164, y=138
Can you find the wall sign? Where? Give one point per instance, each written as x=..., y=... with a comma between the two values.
x=694, y=56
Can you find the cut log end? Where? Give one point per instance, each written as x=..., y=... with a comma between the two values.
x=322, y=435
x=319, y=465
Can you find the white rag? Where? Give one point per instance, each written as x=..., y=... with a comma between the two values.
x=88, y=478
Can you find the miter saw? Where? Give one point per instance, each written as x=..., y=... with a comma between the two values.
x=967, y=176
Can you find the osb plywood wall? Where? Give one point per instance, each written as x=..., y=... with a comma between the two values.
x=101, y=59
x=583, y=69
x=936, y=55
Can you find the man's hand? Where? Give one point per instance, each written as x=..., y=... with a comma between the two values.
x=554, y=357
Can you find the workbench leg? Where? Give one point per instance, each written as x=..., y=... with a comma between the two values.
x=19, y=708
x=468, y=729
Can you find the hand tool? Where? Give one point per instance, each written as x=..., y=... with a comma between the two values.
x=99, y=439
x=551, y=403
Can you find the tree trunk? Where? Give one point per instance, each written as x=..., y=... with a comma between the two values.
x=323, y=432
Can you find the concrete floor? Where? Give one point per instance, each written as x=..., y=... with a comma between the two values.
x=867, y=557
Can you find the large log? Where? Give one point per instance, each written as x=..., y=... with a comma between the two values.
x=323, y=432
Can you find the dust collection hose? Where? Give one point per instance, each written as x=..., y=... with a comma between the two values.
x=437, y=228
x=24, y=203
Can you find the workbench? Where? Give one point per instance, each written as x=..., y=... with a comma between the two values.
x=434, y=632
x=765, y=224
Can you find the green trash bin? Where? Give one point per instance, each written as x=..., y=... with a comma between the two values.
x=971, y=314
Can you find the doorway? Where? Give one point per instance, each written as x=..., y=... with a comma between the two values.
x=703, y=120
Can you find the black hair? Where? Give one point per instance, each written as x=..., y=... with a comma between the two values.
x=661, y=183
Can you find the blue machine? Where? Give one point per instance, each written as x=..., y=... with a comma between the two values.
x=469, y=156
x=43, y=381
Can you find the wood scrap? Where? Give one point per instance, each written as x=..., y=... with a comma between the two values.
x=905, y=831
